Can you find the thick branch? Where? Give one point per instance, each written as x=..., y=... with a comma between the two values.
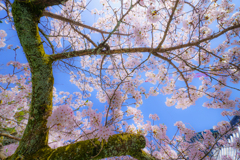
x=61, y=18
x=66, y=55
x=117, y=145
x=200, y=41
x=9, y=136
x=142, y=156
x=45, y=3
x=133, y=50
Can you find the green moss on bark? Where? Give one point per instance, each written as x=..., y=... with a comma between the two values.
x=117, y=145
x=26, y=17
x=34, y=143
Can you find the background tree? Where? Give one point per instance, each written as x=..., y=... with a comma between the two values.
x=137, y=36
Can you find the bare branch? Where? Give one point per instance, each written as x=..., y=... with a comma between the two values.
x=10, y=136
x=134, y=50
x=170, y=62
x=89, y=39
x=168, y=25
x=61, y=18
x=200, y=41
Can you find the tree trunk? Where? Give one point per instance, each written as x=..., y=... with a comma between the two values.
x=34, y=142
x=26, y=17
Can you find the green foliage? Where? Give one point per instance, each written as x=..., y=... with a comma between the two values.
x=19, y=116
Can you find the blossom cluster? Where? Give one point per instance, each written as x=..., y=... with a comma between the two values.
x=104, y=132
x=183, y=43
x=2, y=39
x=152, y=14
x=114, y=98
x=140, y=34
x=61, y=118
x=10, y=149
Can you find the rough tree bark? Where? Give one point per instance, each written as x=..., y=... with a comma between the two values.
x=34, y=142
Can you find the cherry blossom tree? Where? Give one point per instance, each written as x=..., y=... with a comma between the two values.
x=168, y=40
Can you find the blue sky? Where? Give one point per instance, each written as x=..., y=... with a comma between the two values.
x=195, y=117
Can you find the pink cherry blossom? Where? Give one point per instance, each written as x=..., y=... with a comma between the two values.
x=152, y=15
x=173, y=45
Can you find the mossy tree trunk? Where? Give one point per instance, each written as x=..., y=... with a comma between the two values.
x=34, y=142
x=26, y=17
